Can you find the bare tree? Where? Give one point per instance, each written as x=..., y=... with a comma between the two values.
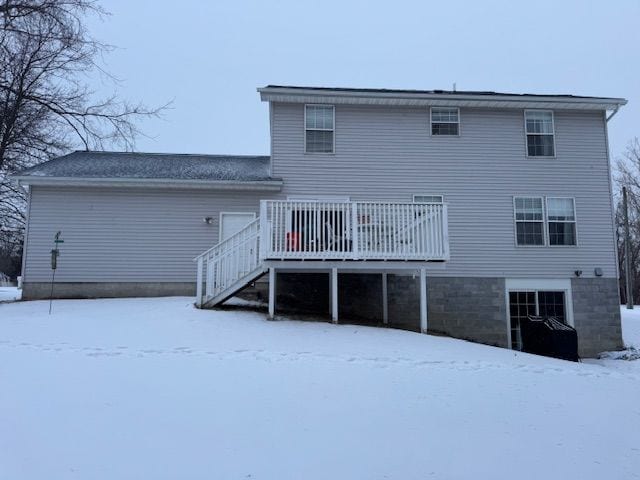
x=628, y=174
x=46, y=106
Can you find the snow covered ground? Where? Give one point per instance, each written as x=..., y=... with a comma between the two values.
x=631, y=326
x=153, y=388
x=9, y=294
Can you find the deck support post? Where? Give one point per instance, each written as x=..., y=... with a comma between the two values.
x=334, y=295
x=272, y=292
x=385, y=300
x=423, y=300
x=200, y=267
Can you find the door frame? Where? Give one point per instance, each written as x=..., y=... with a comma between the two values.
x=253, y=215
x=536, y=285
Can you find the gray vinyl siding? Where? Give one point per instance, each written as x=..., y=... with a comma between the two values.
x=125, y=235
x=387, y=153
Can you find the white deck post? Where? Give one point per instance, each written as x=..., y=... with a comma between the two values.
x=423, y=300
x=355, y=247
x=385, y=300
x=334, y=295
x=445, y=230
x=272, y=292
x=199, y=282
x=265, y=231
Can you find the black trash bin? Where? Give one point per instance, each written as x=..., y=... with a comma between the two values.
x=550, y=337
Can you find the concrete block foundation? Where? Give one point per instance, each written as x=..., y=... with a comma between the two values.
x=461, y=307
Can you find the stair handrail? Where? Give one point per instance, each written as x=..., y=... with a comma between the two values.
x=229, y=239
x=219, y=251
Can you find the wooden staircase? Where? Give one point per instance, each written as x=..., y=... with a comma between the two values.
x=229, y=266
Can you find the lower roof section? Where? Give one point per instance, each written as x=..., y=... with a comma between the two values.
x=132, y=169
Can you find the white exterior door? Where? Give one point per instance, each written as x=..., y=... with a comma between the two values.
x=233, y=222
x=237, y=265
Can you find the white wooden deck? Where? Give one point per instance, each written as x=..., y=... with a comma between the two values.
x=329, y=236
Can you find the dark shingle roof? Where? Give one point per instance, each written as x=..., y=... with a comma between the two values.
x=121, y=165
x=426, y=92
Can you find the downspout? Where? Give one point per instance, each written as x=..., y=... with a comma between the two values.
x=613, y=208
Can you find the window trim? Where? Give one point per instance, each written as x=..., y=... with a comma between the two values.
x=526, y=134
x=441, y=202
x=539, y=284
x=575, y=221
x=304, y=128
x=431, y=122
x=543, y=221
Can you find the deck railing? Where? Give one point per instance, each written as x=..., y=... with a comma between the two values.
x=300, y=230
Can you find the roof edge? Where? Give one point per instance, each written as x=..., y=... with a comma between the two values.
x=256, y=185
x=300, y=94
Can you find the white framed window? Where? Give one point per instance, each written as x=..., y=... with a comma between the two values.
x=319, y=128
x=545, y=297
x=445, y=121
x=561, y=221
x=529, y=219
x=428, y=199
x=539, y=128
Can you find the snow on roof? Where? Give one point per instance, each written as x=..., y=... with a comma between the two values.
x=119, y=165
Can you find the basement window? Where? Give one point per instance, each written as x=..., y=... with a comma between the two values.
x=546, y=303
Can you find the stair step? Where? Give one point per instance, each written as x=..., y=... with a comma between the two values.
x=233, y=288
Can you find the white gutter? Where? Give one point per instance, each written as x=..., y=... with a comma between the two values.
x=267, y=185
x=277, y=94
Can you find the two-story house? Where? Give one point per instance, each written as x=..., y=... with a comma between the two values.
x=452, y=212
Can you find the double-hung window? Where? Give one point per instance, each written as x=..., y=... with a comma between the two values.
x=561, y=221
x=319, y=128
x=529, y=216
x=533, y=221
x=445, y=121
x=540, y=133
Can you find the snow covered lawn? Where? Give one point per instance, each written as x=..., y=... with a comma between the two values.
x=153, y=388
x=9, y=294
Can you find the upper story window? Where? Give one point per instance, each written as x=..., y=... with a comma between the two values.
x=559, y=217
x=427, y=198
x=540, y=133
x=529, y=216
x=319, y=129
x=561, y=221
x=445, y=121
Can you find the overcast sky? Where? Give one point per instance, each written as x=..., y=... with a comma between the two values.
x=209, y=57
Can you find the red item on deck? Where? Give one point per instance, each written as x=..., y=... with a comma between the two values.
x=293, y=241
